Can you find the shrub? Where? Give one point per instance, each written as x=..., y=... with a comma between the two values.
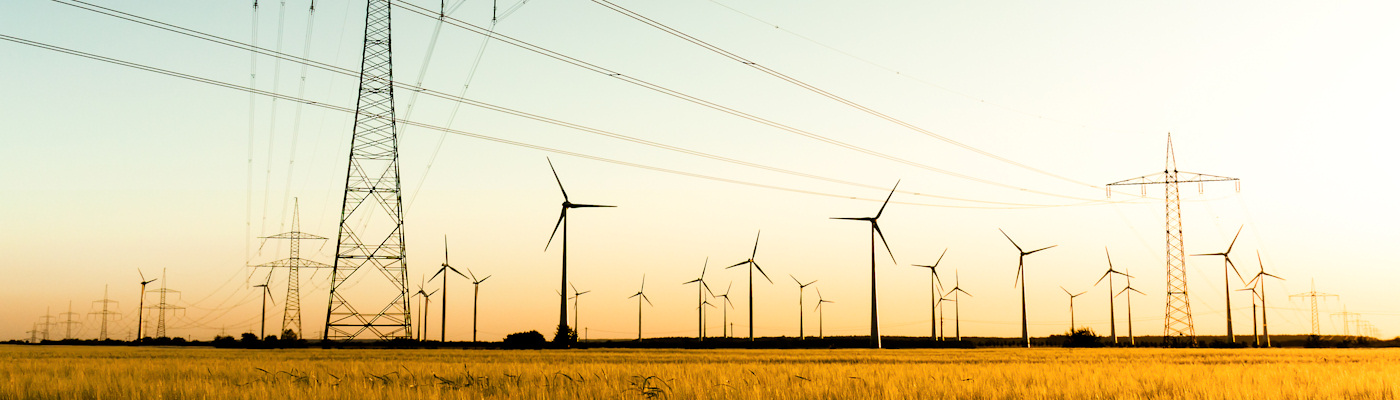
x=524, y=340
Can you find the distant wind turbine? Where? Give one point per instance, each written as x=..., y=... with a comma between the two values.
x=476, y=298
x=1021, y=281
x=141, y=305
x=700, y=289
x=821, y=317
x=1229, y=317
x=724, y=307
x=957, y=314
x=640, y=297
x=1112, y=324
x=752, y=266
x=423, y=315
x=801, y=312
x=576, y=296
x=935, y=285
x=1264, y=303
x=874, y=297
x=1253, y=311
x=267, y=293
x=1071, y=307
x=564, y=265
x=1132, y=340
x=442, y=334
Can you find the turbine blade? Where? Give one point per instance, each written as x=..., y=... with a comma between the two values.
x=556, y=179
x=851, y=218
x=810, y=283
x=760, y=271
x=755, y=245
x=484, y=280
x=704, y=267
x=644, y=297
x=707, y=288
x=1232, y=241
x=1013, y=242
x=459, y=273
x=1066, y=291
x=571, y=205
x=887, y=200
x=690, y=281
x=1017, y=282
x=1042, y=248
x=1105, y=275
x=564, y=212
x=963, y=292
x=735, y=265
x=794, y=279
x=1232, y=266
x=1275, y=276
x=635, y=295
x=875, y=225
x=575, y=288
x=143, y=274
x=940, y=258
x=439, y=272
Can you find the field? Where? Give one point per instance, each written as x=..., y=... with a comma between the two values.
x=81, y=372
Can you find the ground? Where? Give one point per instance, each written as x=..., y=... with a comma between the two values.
x=69, y=372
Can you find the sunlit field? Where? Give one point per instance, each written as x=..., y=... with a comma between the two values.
x=61, y=372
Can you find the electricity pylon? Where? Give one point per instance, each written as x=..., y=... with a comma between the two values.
x=1313, y=294
x=68, y=324
x=48, y=322
x=371, y=233
x=1178, y=322
x=162, y=306
x=1346, y=321
x=291, y=316
x=104, y=314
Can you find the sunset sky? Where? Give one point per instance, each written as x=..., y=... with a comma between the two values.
x=111, y=169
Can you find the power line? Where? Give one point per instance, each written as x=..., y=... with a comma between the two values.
x=824, y=93
x=488, y=106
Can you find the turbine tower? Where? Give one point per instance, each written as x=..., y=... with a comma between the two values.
x=371, y=235
x=640, y=297
x=563, y=221
x=957, y=312
x=935, y=286
x=446, y=266
x=291, y=314
x=1229, y=316
x=801, y=313
x=752, y=266
x=1112, y=315
x=875, y=230
x=141, y=305
x=1178, y=322
x=1021, y=281
x=1263, y=300
x=1071, y=307
x=476, y=300
x=1127, y=293
x=700, y=290
x=104, y=314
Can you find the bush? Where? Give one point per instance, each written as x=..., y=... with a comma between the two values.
x=524, y=340
x=1083, y=337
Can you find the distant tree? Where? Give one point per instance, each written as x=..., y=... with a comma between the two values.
x=248, y=338
x=524, y=340
x=1083, y=337
x=290, y=336
x=565, y=337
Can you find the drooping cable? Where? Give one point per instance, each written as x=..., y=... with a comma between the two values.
x=296, y=116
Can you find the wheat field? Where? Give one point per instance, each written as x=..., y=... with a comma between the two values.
x=81, y=372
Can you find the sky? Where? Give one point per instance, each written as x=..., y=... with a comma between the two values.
x=1023, y=110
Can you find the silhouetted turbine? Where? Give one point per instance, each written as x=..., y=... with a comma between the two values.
x=141, y=305
x=935, y=286
x=1132, y=340
x=1229, y=317
x=874, y=297
x=442, y=327
x=1112, y=324
x=801, y=312
x=576, y=296
x=957, y=312
x=1264, y=303
x=1021, y=280
x=640, y=296
x=821, y=316
x=1071, y=307
x=730, y=304
x=564, y=265
x=752, y=266
x=700, y=298
x=476, y=298
x=267, y=293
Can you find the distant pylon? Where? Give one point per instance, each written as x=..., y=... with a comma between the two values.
x=1313, y=294
x=291, y=316
x=104, y=314
x=163, y=306
x=1178, y=321
x=371, y=215
x=1347, y=320
x=69, y=322
x=48, y=322
x=34, y=333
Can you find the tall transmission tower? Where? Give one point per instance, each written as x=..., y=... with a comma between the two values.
x=48, y=322
x=163, y=306
x=34, y=333
x=68, y=322
x=291, y=316
x=1313, y=294
x=1178, y=322
x=1347, y=320
x=371, y=215
x=104, y=314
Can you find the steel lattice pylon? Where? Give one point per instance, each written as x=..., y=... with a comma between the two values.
x=1178, y=322
x=371, y=216
x=291, y=315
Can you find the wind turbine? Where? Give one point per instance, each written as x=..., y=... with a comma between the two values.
x=442, y=327
x=1253, y=311
x=1264, y=303
x=875, y=230
x=564, y=265
x=821, y=317
x=935, y=285
x=1112, y=323
x=1229, y=317
x=476, y=298
x=700, y=289
x=267, y=293
x=1071, y=307
x=800, y=311
x=427, y=300
x=141, y=304
x=1021, y=280
x=957, y=314
x=752, y=266
x=1132, y=340
x=640, y=296
x=725, y=310
x=577, y=294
